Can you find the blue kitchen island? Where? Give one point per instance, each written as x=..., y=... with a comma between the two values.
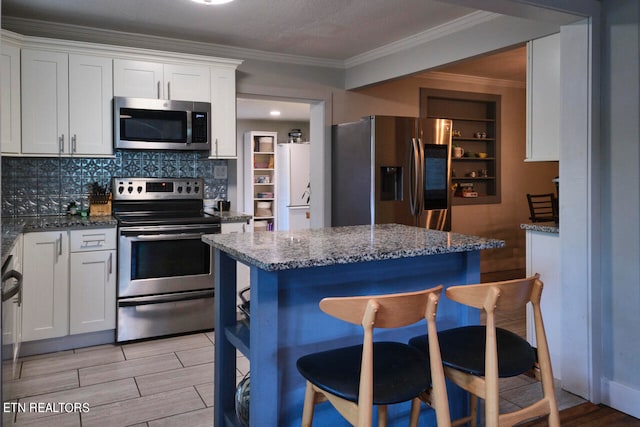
x=291, y=272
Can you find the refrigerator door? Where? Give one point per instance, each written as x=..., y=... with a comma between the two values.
x=299, y=176
x=293, y=180
x=351, y=174
x=434, y=136
x=392, y=173
x=299, y=218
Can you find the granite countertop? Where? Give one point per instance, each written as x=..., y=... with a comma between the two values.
x=283, y=250
x=230, y=216
x=12, y=227
x=545, y=227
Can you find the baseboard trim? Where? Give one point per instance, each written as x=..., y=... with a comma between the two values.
x=621, y=397
x=30, y=348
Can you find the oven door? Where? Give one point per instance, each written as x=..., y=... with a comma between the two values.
x=164, y=259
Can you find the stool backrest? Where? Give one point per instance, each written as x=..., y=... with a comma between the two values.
x=391, y=311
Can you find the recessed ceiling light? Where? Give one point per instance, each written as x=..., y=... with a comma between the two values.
x=212, y=2
x=274, y=113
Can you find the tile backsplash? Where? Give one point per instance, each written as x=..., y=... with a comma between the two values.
x=45, y=186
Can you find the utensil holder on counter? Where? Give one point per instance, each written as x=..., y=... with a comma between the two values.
x=100, y=205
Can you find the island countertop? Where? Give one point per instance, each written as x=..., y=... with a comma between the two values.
x=284, y=250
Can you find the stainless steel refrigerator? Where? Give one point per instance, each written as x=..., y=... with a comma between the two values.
x=392, y=170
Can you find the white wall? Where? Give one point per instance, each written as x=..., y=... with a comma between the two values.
x=620, y=166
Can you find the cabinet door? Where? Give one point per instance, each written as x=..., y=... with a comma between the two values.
x=233, y=227
x=45, y=303
x=92, y=292
x=90, y=112
x=45, y=102
x=543, y=99
x=187, y=83
x=10, y=99
x=138, y=79
x=223, y=112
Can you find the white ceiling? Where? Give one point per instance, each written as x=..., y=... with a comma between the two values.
x=259, y=109
x=326, y=29
x=329, y=29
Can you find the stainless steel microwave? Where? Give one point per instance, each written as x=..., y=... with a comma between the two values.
x=157, y=124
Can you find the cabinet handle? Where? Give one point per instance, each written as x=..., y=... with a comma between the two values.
x=158, y=89
x=169, y=90
x=216, y=147
x=73, y=143
x=110, y=264
x=61, y=143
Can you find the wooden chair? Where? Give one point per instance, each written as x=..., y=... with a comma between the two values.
x=355, y=378
x=474, y=357
x=543, y=207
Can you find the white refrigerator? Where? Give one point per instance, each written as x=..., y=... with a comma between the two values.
x=293, y=186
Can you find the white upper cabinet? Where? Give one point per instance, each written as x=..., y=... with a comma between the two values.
x=143, y=79
x=10, y=98
x=90, y=112
x=45, y=102
x=66, y=103
x=543, y=99
x=223, y=112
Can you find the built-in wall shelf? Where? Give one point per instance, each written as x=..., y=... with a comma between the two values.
x=476, y=127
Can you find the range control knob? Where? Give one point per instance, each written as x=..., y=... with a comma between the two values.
x=120, y=189
x=180, y=189
x=130, y=189
x=196, y=189
x=188, y=189
x=139, y=189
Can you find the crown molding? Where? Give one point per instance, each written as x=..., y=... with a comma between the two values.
x=32, y=27
x=462, y=78
x=462, y=23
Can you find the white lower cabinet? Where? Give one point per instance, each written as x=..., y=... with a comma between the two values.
x=45, y=289
x=92, y=281
x=69, y=283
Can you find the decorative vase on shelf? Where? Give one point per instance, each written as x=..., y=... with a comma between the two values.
x=242, y=401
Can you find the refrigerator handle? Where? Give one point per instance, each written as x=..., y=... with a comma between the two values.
x=413, y=172
x=421, y=177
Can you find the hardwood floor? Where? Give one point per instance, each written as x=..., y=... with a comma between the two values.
x=589, y=415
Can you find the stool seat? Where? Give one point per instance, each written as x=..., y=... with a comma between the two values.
x=400, y=372
x=464, y=349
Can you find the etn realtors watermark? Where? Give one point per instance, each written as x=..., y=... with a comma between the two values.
x=46, y=407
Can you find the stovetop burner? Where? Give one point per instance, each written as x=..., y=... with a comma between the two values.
x=160, y=201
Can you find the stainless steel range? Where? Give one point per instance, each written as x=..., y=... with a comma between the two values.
x=165, y=271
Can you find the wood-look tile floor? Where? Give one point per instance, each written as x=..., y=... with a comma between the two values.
x=164, y=382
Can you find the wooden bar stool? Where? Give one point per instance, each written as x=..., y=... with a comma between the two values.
x=355, y=378
x=474, y=357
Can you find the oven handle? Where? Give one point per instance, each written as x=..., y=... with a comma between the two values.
x=159, y=299
x=156, y=237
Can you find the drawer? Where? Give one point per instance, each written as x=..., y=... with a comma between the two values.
x=96, y=239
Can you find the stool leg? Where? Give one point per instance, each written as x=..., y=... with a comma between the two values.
x=415, y=412
x=309, y=405
x=473, y=409
x=382, y=415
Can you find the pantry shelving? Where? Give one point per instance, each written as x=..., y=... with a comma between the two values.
x=476, y=129
x=260, y=178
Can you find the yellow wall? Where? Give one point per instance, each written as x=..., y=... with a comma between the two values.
x=501, y=221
